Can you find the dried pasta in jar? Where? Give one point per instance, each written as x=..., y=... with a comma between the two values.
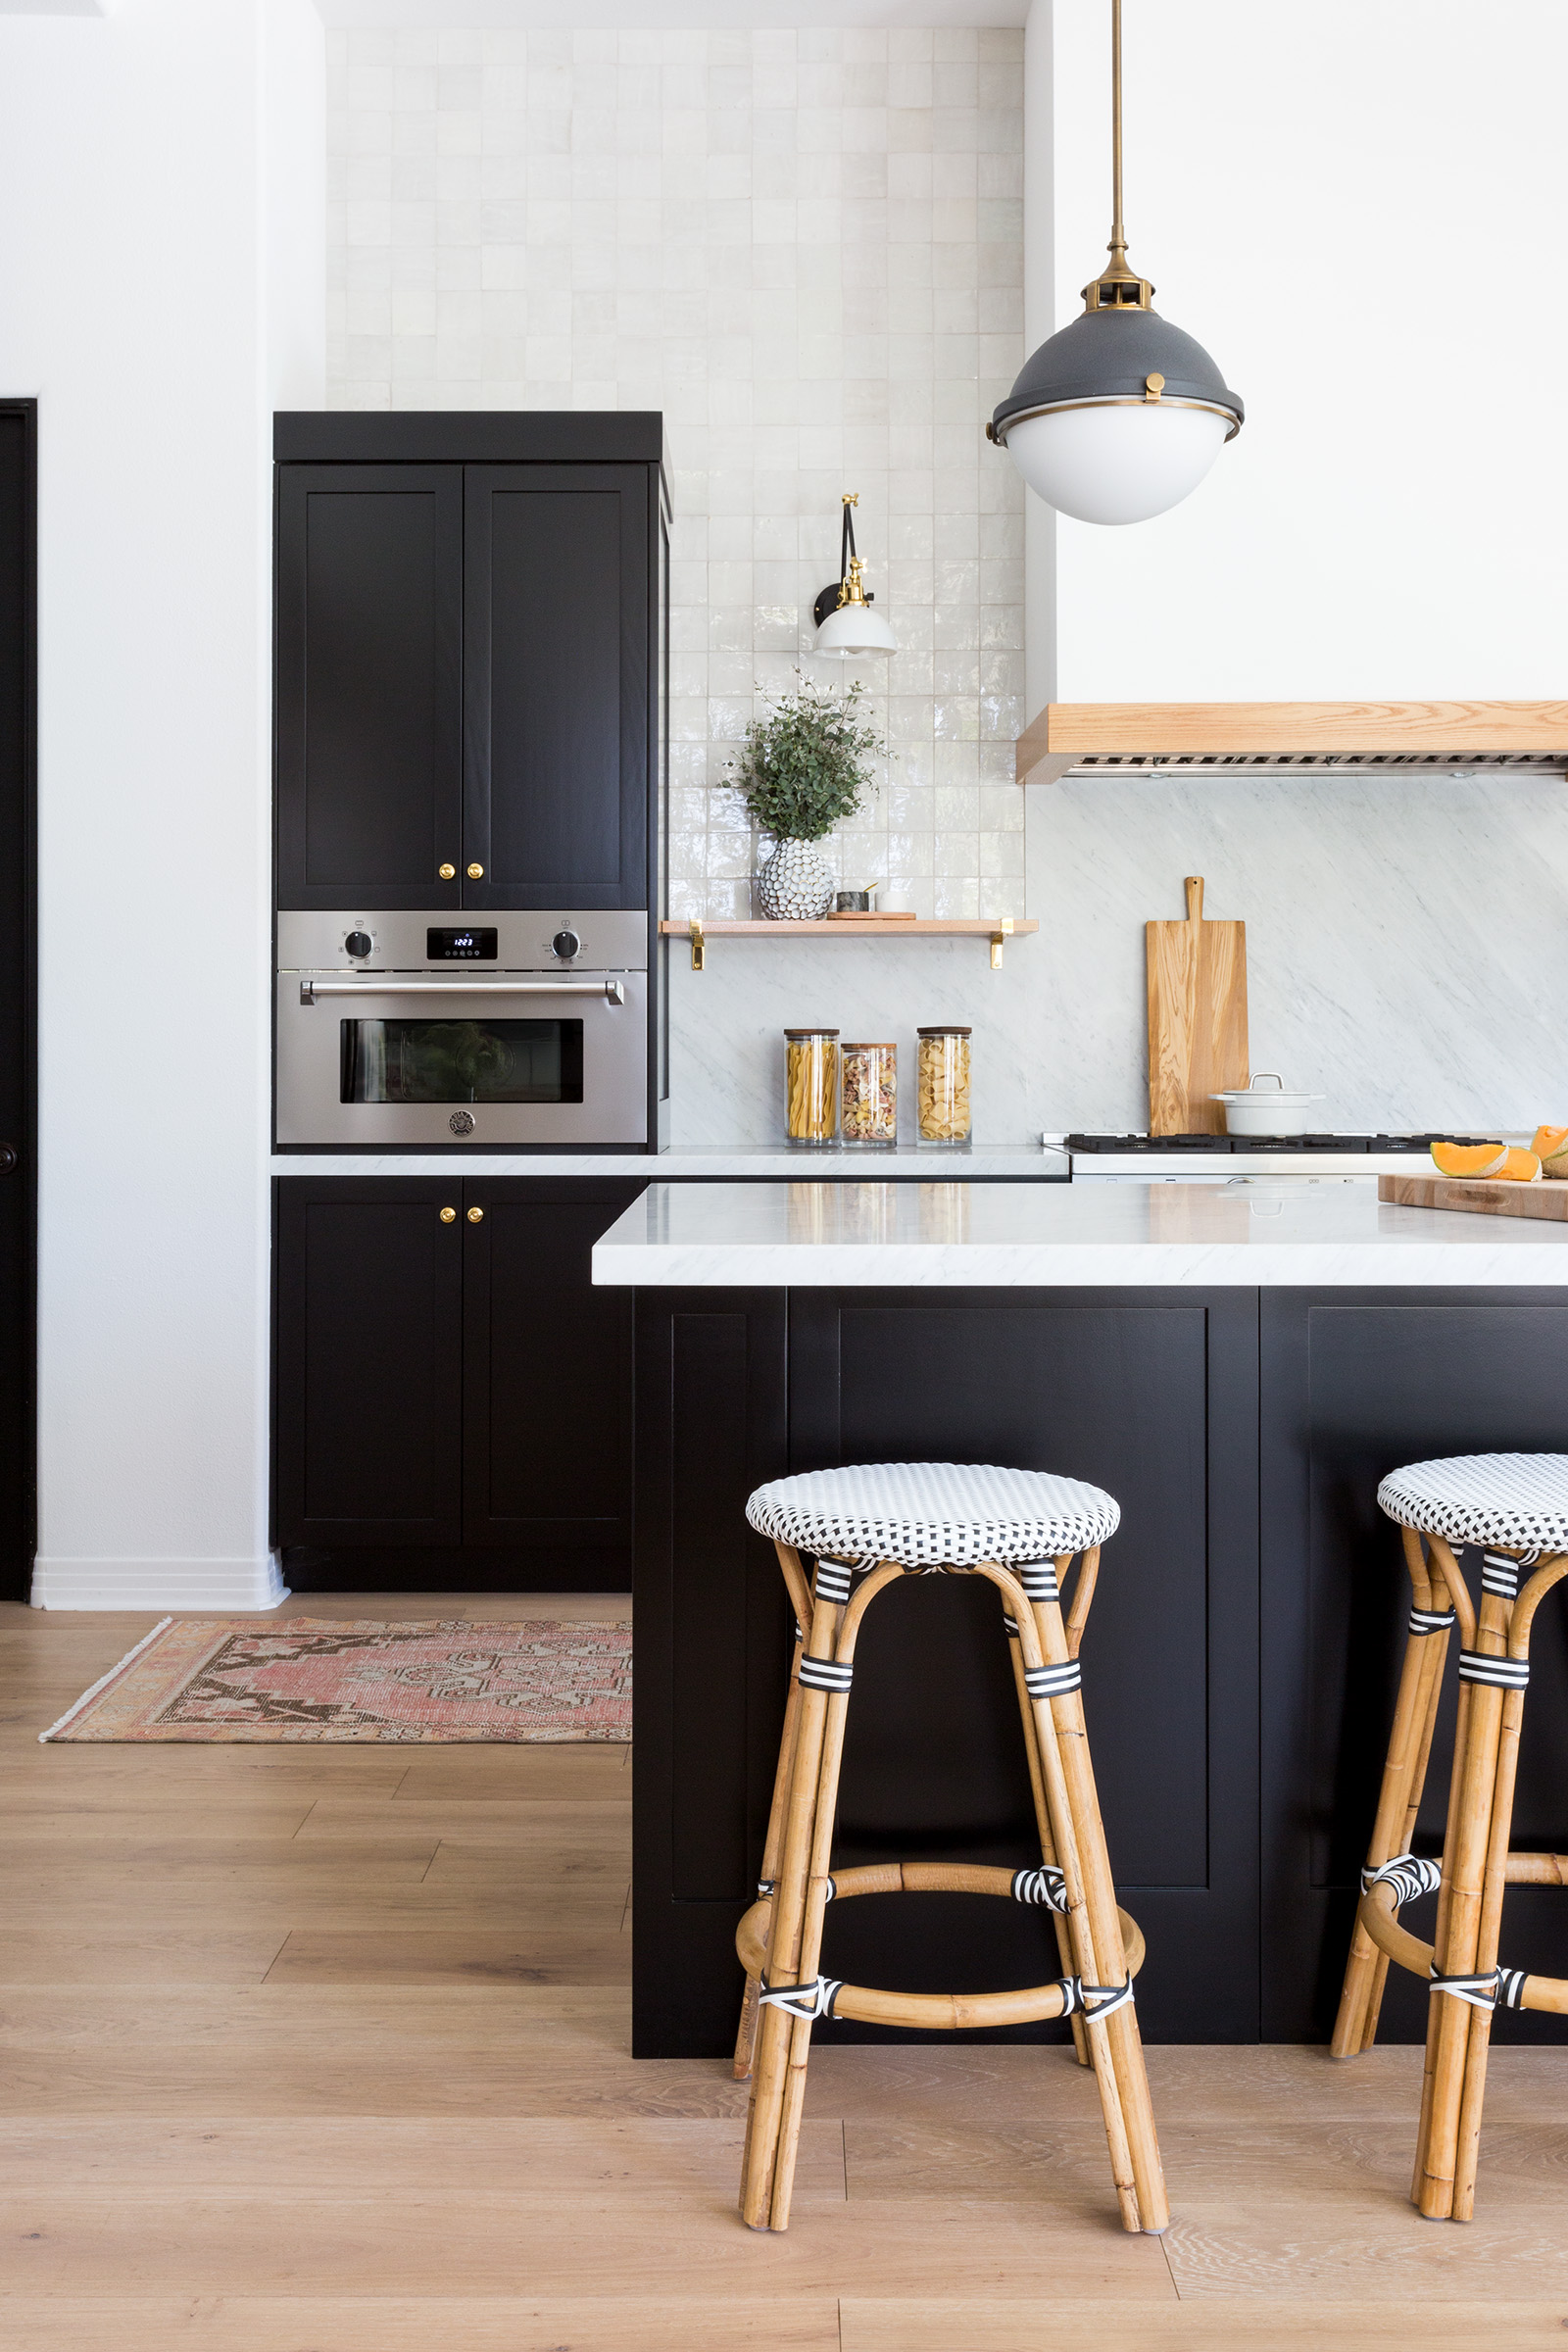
x=943, y=1087
x=869, y=1087
x=811, y=1085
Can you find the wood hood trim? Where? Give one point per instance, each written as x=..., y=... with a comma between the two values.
x=1465, y=732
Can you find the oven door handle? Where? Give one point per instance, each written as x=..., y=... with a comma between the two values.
x=612, y=991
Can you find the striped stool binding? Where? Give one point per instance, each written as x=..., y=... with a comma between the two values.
x=1515, y=1505
x=864, y=1529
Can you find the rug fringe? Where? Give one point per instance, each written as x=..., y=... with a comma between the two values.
x=104, y=1680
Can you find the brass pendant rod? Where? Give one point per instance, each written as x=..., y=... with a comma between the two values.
x=1118, y=234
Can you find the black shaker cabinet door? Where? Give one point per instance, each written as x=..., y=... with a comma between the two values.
x=369, y=691
x=555, y=686
x=548, y=1368
x=370, y=1362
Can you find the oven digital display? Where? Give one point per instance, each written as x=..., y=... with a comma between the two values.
x=473, y=945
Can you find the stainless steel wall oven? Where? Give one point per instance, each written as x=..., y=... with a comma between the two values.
x=520, y=1029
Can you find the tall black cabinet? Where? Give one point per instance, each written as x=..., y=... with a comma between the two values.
x=469, y=646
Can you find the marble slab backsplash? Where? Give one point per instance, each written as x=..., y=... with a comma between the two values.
x=1407, y=958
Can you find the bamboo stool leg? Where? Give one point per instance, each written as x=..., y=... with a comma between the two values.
x=1399, y=1801
x=1048, y=1850
x=1464, y=1862
x=808, y=1958
x=784, y=1942
x=746, y=2037
x=1100, y=1896
x=1083, y=1963
x=1468, y=2144
x=1513, y=1715
x=1094, y=1925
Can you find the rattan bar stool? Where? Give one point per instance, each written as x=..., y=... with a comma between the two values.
x=1515, y=1505
x=864, y=1528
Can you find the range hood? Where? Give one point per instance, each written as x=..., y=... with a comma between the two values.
x=1107, y=740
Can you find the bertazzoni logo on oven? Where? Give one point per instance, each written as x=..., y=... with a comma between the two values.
x=461, y=1122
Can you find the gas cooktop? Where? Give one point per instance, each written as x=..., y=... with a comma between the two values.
x=1251, y=1145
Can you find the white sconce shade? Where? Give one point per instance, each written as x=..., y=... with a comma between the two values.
x=855, y=629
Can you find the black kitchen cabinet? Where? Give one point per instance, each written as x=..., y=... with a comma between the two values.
x=556, y=682
x=369, y=685
x=453, y=1398
x=547, y=1368
x=370, y=1363
x=468, y=660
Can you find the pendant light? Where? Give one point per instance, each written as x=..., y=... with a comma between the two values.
x=1120, y=416
x=846, y=626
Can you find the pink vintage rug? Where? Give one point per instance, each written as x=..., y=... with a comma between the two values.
x=314, y=1678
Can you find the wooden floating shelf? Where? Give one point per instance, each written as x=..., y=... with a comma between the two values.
x=996, y=928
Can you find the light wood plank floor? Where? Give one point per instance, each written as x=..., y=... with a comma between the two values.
x=315, y=2049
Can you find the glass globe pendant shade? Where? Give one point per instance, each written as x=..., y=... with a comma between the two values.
x=855, y=629
x=1122, y=464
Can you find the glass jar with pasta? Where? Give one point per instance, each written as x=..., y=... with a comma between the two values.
x=869, y=1091
x=811, y=1086
x=942, y=1110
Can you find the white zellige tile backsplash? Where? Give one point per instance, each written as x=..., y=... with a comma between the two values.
x=806, y=248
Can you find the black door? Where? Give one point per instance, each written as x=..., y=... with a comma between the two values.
x=555, y=686
x=17, y=570
x=369, y=692
x=370, y=1362
x=547, y=1369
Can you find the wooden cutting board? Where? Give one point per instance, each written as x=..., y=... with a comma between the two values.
x=1196, y=1018
x=1547, y=1198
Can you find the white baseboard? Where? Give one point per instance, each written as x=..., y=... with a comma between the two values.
x=225, y=1585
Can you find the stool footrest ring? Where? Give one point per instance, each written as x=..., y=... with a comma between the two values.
x=957, y=2012
x=1515, y=1987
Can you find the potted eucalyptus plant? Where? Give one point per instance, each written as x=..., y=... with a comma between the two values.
x=801, y=769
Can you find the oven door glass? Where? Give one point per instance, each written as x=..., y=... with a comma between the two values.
x=460, y=1062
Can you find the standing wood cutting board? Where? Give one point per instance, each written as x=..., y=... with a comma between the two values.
x=1547, y=1198
x=1196, y=1018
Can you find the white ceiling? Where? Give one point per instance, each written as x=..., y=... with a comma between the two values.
x=667, y=15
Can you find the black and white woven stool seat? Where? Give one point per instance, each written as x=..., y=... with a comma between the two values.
x=1519, y=1500
x=934, y=1514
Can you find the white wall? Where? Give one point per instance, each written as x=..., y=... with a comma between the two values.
x=806, y=248
x=1359, y=209
x=157, y=176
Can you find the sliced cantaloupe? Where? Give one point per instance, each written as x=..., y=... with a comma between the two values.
x=1557, y=1165
x=1547, y=1142
x=1520, y=1166
x=1470, y=1160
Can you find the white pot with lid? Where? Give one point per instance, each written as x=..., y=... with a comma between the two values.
x=1262, y=1109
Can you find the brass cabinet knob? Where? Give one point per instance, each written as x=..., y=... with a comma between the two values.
x=476, y=873
x=449, y=1216
x=448, y=873
x=476, y=1216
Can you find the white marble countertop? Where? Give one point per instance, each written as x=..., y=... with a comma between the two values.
x=951, y=1233
x=743, y=1159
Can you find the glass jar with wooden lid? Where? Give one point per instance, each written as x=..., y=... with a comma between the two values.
x=869, y=1093
x=811, y=1086
x=942, y=1096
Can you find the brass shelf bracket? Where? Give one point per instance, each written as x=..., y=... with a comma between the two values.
x=698, y=944
x=998, y=937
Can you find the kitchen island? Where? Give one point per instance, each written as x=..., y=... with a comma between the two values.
x=1239, y=1367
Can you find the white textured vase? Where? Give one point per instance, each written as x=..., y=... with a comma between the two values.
x=795, y=884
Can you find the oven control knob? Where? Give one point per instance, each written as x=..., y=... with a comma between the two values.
x=565, y=944
x=359, y=943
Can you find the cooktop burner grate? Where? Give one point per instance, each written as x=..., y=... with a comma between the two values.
x=1250, y=1143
